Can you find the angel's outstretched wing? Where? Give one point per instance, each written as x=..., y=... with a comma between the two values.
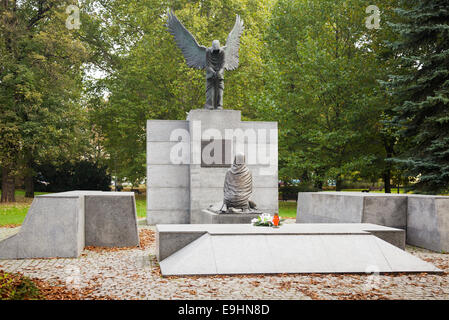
x=194, y=54
x=232, y=45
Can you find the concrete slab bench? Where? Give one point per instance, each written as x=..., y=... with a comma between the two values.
x=62, y=224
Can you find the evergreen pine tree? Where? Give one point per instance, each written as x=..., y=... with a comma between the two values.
x=422, y=86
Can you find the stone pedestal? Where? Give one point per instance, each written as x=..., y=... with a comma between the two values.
x=187, y=162
x=210, y=217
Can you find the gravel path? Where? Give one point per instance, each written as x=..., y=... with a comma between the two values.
x=133, y=273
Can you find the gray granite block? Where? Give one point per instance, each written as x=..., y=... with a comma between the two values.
x=59, y=225
x=424, y=217
x=168, y=216
x=352, y=207
x=111, y=221
x=428, y=222
x=271, y=253
x=209, y=217
x=176, y=236
x=174, y=188
x=53, y=228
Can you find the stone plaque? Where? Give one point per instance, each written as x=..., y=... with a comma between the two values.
x=216, y=153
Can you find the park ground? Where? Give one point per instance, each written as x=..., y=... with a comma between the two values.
x=134, y=273
x=13, y=214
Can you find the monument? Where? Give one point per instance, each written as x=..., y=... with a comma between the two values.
x=236, y=206
x=214, y=156
x=187, y=160
x=215, y=60
x=238, y=187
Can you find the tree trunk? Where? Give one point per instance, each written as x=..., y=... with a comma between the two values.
x=29, y=175
x=29, y=186
x=8, y=186
x=387, y=178
x=318, y=185
x=389, y=150
x=338, y=183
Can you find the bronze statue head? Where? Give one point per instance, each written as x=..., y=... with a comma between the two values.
x=215, y=45
x=239, y=158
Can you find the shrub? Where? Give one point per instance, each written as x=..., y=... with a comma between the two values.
x=17, y=287
x=81, y=175
x=290, y=192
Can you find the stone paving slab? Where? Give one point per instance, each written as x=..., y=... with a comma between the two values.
x=171, y=238
x=135, y=274
x=223, y=254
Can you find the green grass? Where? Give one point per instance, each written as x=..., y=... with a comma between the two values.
x=393, y=190
x=141, y=205
x=287, y=209
x=14, y=213
x=20, y=195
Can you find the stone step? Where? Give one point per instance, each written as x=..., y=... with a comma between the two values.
x=271, y=253
x=173, y=237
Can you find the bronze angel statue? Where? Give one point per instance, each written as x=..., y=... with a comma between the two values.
x=215, y=59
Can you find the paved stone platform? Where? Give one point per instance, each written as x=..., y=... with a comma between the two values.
x=133, y=273
x=272, y=254
x=171, y=238
x=292, y=248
